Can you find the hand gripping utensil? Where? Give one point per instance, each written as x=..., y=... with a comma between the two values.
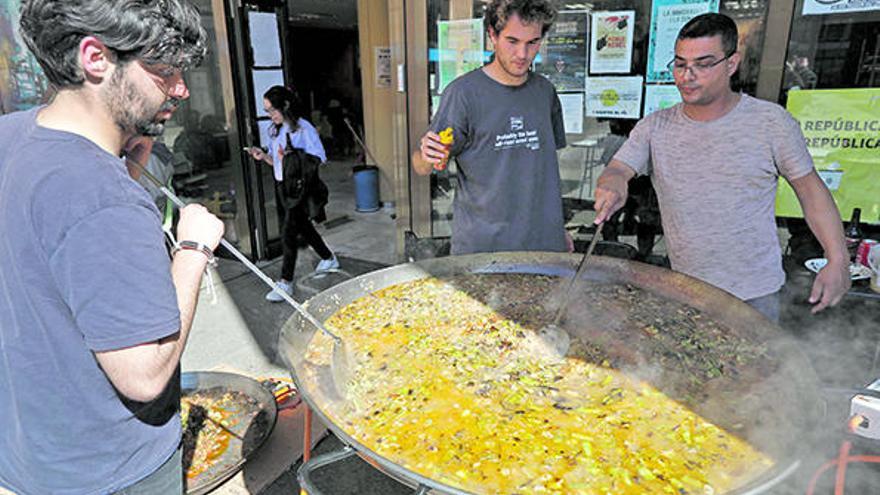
x=340, y=359
x=553, y=340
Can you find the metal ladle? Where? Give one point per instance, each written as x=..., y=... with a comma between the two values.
x=552, y=339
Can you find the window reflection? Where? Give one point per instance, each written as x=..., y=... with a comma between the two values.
x=202, y=137
x=596, y=139
x=832, y=51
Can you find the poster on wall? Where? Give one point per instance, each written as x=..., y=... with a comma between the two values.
x=842, y=130
x=563, y=56
x=660, y=96
x=383, y=67
x=572, y=112
x=614, y=97
x=22, y=81
x=821, y=7
x=667, y=19
x=611, y=43
x=459, y=47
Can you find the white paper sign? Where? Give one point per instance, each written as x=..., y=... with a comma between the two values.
x=611, y=42
x=818, y=7
x=572, y=112
x=265, y=42
x=263, y=80
x=614, y=97
x=660, y=96
x=383, y=67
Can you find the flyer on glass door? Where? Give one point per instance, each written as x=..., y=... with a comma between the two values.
x=563, y=56
x=611, y=43
x=667, y=19
x=614, y=97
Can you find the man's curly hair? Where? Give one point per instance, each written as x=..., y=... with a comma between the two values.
x=498, y=12
x=165, y=32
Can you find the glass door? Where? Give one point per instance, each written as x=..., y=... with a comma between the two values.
x=261, y=63
x=199, y=148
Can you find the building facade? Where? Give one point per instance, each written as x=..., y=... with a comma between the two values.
x=389, y=61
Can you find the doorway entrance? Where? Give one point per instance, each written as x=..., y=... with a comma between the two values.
x=312, y=47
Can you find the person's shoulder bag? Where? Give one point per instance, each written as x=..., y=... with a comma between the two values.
x=301, y=181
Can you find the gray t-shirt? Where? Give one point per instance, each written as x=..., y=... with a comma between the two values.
x=716, y=185
x=508, y=195
x=82, y=269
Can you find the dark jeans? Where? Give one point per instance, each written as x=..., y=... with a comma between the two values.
x=168, y=479
x=296, y=222
x=767, y=305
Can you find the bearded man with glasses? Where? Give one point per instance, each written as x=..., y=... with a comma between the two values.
x=94, y=316
x=715, y=159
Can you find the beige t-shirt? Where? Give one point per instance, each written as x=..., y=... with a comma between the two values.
x=716, y=185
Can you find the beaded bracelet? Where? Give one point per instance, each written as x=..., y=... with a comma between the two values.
x=195, y=246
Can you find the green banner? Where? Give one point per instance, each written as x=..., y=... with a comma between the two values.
x=842, y=129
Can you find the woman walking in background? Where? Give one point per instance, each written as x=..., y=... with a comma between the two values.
x=288, y=133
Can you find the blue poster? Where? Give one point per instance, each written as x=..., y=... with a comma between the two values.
x=667, y=19
x=22, y=82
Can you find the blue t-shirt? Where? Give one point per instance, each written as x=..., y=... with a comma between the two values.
x=82, y=269
x=508, y=195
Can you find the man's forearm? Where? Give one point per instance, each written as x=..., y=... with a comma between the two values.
x=832, y=282
x=420, y=165
x=827, y=227
x=821, y=215
x=187, y=270
x=615, y=173
x=611, y=189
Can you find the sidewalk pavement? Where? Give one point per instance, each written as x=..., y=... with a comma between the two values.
x=238, y=331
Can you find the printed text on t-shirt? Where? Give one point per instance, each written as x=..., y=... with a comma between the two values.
x=520, y=139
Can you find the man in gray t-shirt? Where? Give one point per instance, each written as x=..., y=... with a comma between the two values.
x=715, y=160
x=506, y=126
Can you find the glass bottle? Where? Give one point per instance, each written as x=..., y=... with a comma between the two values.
x=853, y=233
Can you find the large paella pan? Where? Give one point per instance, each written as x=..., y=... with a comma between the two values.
x=671, y=386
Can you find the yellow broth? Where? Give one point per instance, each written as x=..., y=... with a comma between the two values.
x=446, y=386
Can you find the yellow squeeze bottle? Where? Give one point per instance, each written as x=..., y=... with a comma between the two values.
x=446, y=139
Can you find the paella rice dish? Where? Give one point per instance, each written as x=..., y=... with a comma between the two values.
x=446, y=384
x=210, y=419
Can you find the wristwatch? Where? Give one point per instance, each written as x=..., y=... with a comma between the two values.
x=195, y=246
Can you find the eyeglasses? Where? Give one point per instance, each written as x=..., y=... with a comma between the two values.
x=697, y=68
x=165, y=77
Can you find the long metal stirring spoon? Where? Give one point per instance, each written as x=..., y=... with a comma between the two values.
x=552, y=336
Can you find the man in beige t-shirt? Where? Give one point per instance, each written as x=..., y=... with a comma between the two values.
x=715, y=160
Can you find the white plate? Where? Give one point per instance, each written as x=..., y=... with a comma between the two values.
x=856, y=271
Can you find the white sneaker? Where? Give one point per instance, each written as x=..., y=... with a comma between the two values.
x=275, y=296
x=327, y=265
